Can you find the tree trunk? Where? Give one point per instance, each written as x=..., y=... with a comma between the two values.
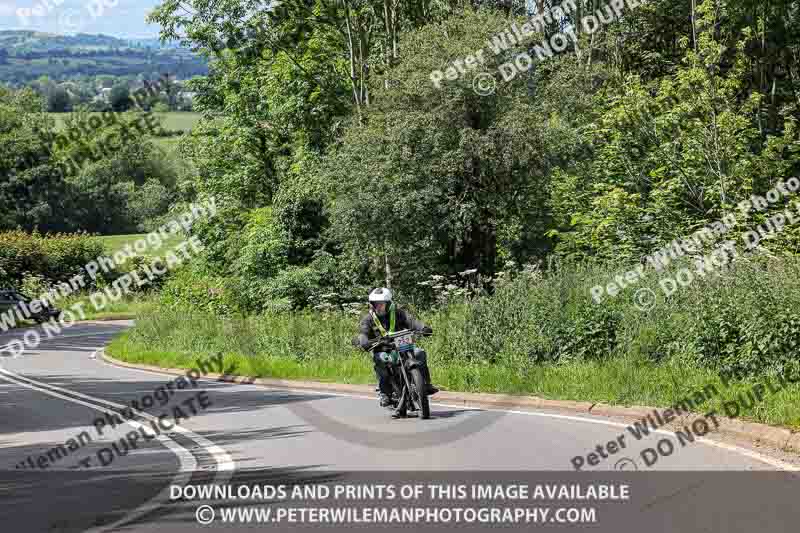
x=480, y=248
x=387, y=269
x=352, y=50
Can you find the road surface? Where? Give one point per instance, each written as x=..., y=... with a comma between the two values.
x=65, y=468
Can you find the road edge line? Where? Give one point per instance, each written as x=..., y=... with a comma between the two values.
x=755, y=433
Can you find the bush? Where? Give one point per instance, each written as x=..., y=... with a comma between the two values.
x=749, y=322
x=5, y=278
x=296, y=285
x=53, y=258
x=746, y=321
x=531, y=319
x=33, y=285
x=743, y=320
x=187, y=289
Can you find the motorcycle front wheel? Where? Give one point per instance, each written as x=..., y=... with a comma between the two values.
x=422, y=396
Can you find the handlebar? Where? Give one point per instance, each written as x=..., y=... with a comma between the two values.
x=387, y=339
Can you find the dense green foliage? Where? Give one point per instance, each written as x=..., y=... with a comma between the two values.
x=96, y=174
x=35, y=264
x=52, y=259
x=341, y=165
x=337, y=165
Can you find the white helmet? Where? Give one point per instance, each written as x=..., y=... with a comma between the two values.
x=379, y=295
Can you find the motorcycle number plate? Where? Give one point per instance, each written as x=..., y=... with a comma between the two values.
x=405, y=342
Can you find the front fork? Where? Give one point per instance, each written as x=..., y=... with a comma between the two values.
x=405, y=379
x=406, y=395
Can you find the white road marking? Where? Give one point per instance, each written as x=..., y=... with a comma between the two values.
x=225, y=464
x=224, y=460
x=186, y=459
x=776, y=463
x=6, y=346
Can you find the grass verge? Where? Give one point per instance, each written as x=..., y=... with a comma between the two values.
x=316, y=347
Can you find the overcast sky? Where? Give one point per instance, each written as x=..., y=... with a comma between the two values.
x=125, y=19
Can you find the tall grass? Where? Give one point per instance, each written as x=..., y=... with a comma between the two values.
x=127, y=307
x=539, y=335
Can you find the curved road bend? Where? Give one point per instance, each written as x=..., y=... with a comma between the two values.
x=62, y=469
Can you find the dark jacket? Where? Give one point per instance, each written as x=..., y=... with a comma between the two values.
x=403, y=320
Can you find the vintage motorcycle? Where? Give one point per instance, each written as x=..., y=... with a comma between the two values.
x=405, y=374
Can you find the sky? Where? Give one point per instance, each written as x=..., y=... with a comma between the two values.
x=118, y=18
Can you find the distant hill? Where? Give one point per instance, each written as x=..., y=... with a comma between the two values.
x=154, y=42
x=27, y=55
x=15, y=41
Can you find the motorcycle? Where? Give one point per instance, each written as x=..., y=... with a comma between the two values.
x=408, y=383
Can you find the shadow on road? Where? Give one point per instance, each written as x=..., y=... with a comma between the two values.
x=33, y=410
x=452, y=414
x=76, y=501
x=48, y=423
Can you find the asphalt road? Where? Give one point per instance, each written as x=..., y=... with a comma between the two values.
x=64, y=468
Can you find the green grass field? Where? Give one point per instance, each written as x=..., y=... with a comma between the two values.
x=132, y=304
x=168, y=144
x=113, y=243
x=183, y=121
x=173, y=120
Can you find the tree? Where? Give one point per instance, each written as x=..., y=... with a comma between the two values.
x=58, y=100
x=148, y=202
x=434, y=174
x=37, y=189
x=33, y=192
x=673, y=154
x=120, y=98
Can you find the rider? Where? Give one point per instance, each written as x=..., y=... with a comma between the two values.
x=385, y=317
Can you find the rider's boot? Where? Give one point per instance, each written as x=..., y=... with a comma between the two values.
x=385, y=399
x=430, y=390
